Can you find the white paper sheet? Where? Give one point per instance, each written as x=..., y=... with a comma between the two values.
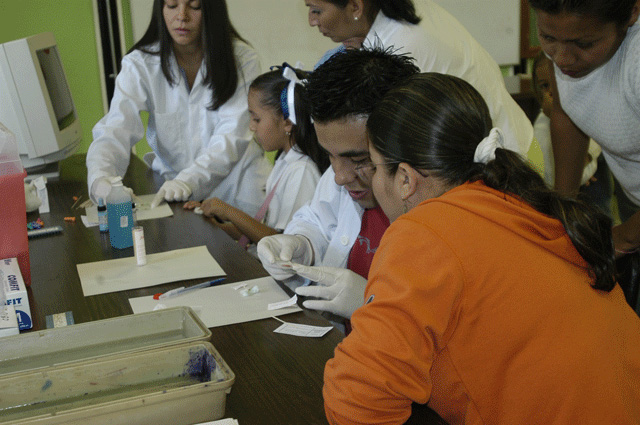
x=296, y=329
x=143, y=210
x=107, y=276
x=223, y=304
x=221, y=422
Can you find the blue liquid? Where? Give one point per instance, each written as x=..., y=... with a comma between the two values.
x=120, y=219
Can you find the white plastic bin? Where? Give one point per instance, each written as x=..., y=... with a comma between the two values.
x=177, y=385
x=134, y=332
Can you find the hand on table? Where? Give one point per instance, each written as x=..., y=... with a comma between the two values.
x=172, y=191
x=341, y=290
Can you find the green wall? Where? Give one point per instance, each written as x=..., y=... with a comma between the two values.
x=71, y=21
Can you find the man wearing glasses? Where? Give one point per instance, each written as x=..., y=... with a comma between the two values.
x=339, y=231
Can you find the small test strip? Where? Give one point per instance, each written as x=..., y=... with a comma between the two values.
x=45, y=231
x=59, y=320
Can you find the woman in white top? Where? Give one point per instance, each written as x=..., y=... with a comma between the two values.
x=438, y=44
x=280, y=119
x=190, y=72
x=595, y=47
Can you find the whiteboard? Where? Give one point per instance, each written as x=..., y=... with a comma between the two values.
x=279, y=29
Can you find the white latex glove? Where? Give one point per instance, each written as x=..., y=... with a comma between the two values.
x=101, y=188
x=172, y=191
x=31, y=198
x=341, y=290
x=278, y=251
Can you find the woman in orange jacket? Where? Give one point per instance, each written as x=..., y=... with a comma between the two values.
x=491, y=298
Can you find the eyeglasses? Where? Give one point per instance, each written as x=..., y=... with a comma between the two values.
x=370, y=167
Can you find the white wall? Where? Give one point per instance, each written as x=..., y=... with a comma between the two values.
x=279, y=31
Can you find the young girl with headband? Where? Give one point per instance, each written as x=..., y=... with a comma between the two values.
x=281, y=122
x=491, y=298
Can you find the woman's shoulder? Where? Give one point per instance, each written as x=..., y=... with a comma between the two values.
x=147, y=55
x=244, y=51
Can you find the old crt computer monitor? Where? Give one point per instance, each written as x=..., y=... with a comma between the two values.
x=36, y=103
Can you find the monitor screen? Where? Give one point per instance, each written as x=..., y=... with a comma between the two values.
x=35, y=101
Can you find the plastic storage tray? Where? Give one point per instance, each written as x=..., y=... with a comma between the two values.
x=183, y=384
x=32, y=350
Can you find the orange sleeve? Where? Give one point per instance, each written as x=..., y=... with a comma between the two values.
x=383, y=366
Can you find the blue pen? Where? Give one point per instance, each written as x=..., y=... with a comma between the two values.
x=182, y=290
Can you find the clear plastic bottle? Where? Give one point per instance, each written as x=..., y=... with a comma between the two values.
x=119, y=215
x=102, y=216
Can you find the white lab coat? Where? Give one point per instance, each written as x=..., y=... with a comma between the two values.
x=441, y=44
x=210, y=150
x=331, y=222
x=297, y=177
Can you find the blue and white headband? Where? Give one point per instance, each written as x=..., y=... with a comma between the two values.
x=287, y=96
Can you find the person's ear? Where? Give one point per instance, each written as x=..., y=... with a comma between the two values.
x=407, y=179
x=356, y=9
x=288, y=126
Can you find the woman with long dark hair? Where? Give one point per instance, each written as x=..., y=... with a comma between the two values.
x=191, y=72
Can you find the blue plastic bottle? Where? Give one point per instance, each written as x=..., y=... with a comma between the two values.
x=119, y=216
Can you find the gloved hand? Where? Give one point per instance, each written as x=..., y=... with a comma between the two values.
x=341, y=290
x=278, y=251
x=101, y=188
x=172, y=190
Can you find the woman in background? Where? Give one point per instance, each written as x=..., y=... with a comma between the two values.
x=437, y=42
x=190, y=71
x=281, y=121
x=491, y=297
x=595, y=48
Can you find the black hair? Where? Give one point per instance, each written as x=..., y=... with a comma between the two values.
x=270, y=87
x=351, y=82
x=434, y=122
x=218, y=36
x=617, y=11
x=398, y=10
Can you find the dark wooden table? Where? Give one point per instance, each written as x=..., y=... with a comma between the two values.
x=278, y=377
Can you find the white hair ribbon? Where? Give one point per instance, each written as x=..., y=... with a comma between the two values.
x=486, y=149
x=290, y=75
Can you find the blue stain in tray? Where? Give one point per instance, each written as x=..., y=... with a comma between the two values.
x=46, y=385
x=200, y=365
